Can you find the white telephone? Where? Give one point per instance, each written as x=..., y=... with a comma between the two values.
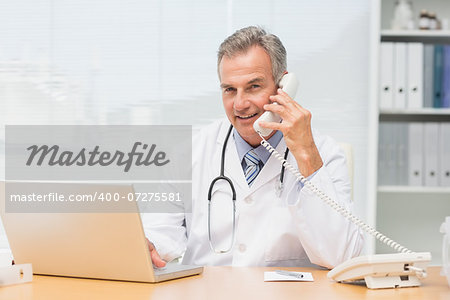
x=402, y=269
x=384, y=270
x=289, y=85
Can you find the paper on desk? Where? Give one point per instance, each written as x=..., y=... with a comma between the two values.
x=274, y=276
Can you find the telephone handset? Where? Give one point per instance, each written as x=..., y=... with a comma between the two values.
x=402, y=269
x=289, y=85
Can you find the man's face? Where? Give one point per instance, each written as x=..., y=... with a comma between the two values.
x=246, y=82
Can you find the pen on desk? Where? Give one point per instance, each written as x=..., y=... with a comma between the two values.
x=287, y=273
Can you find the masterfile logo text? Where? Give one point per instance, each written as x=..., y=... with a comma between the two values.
x=98, y=152
x=54, y=156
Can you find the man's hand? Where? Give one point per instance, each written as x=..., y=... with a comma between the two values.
x=156, y=259
x=296, y=129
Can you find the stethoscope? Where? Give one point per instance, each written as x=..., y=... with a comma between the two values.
x=233, y=192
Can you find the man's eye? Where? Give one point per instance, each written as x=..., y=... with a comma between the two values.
x=254, y=86
x=229, y=90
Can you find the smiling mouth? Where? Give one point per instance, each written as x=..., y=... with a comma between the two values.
x=246, y=117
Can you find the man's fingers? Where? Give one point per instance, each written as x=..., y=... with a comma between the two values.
x=283, y=98
x=280, y=99
x=271, y=125
x=156, y=259
x=287, y=107
x=284, y=112
x=278, y=109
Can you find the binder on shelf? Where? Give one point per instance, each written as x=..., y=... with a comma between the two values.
x=431, y=142
x=386, y=75
x=391, y=153
x=428, y=70
x=415, y=75
x=446, y=77
x=382, y=160
x=438, y=65
x=400, y=76
x=401, y=140
x=387, y=164
x=416, y=153
x=444, y=157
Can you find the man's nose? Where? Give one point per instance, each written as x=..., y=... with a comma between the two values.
x=241, y=101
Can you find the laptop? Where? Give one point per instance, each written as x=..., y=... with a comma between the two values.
x=85, y=244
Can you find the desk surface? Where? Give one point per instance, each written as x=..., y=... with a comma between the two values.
x=221, y=283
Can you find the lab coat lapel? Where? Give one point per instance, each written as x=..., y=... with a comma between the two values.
x=233, y=167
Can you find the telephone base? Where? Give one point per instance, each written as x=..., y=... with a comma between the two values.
x=388, y=282
x=384, y=270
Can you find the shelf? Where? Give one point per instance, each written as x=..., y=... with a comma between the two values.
x=416, y=33
x=400, y=189
x=415, y=115
x=422, y=36
x=418, y=111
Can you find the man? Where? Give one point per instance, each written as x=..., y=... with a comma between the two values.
x=273, y=227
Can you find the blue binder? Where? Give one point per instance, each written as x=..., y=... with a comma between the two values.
x=437, y=76
x=446, y=78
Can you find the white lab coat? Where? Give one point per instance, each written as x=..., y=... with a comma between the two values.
x=294, y=229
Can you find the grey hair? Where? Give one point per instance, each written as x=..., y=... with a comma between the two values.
x=243, y=39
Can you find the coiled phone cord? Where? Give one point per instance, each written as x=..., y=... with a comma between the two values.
x=336, y=206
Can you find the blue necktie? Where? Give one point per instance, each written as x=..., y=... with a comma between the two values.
x=252, y=169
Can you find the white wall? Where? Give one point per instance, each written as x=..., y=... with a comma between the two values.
x=154, y=62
